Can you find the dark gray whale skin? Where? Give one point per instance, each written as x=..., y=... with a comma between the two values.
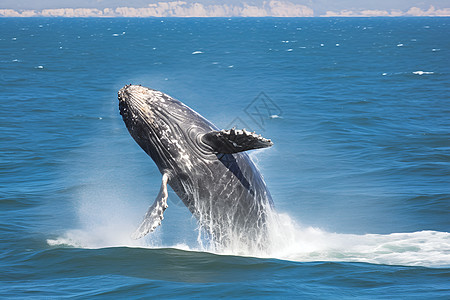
x=206, y=168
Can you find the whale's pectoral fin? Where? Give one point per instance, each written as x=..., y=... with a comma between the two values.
x=233, y=141
x=154, y=215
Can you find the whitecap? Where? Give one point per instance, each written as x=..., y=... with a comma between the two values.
x=400, y=45
x=337, y=45
x=423, y=73
x=197, y=52
x=287, y=240
x=384, y=74
x=39, y=67
x=435, y=50
x=289, y=50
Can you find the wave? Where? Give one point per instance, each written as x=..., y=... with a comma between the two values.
x=289, y=241
x=422, y=73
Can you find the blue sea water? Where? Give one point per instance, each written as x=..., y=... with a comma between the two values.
x=358, y=110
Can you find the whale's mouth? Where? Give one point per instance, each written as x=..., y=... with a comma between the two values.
x=121, y=95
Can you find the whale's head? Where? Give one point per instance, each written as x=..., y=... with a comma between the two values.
x=164, y=127
x=138, y=104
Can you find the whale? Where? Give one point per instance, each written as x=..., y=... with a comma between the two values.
x=208, y=169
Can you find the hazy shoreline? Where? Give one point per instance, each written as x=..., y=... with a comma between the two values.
x=180, y=9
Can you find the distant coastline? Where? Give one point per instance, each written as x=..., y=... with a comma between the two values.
x=183, y=9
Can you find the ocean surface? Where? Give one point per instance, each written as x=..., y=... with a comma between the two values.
x=359, y=113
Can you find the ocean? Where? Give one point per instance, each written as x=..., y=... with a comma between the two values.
x=358, y=111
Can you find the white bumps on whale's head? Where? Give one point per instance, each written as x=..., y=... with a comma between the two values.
x=139, y=100
x=137, y=94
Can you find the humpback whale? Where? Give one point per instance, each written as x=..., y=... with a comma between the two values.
x=207, y=168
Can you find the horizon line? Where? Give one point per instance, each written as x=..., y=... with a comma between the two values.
x=181, y=9
x=208, y=17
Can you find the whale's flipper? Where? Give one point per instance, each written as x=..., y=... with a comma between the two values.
x=233, y=141
x=154, y=215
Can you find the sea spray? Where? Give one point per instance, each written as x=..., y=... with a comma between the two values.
x=288, y=241
x=106, y=218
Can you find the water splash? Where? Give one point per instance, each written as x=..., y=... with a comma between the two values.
x=288, y=241
x=106, y=219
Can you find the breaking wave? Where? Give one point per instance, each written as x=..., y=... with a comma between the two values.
x=288, y=241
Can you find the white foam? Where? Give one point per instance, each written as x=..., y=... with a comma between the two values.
x=400, y=45
x=106, y=219
x=197, y=52
x=290, y=241
x=422, y=248
x=422, y=73
x=97, y=238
